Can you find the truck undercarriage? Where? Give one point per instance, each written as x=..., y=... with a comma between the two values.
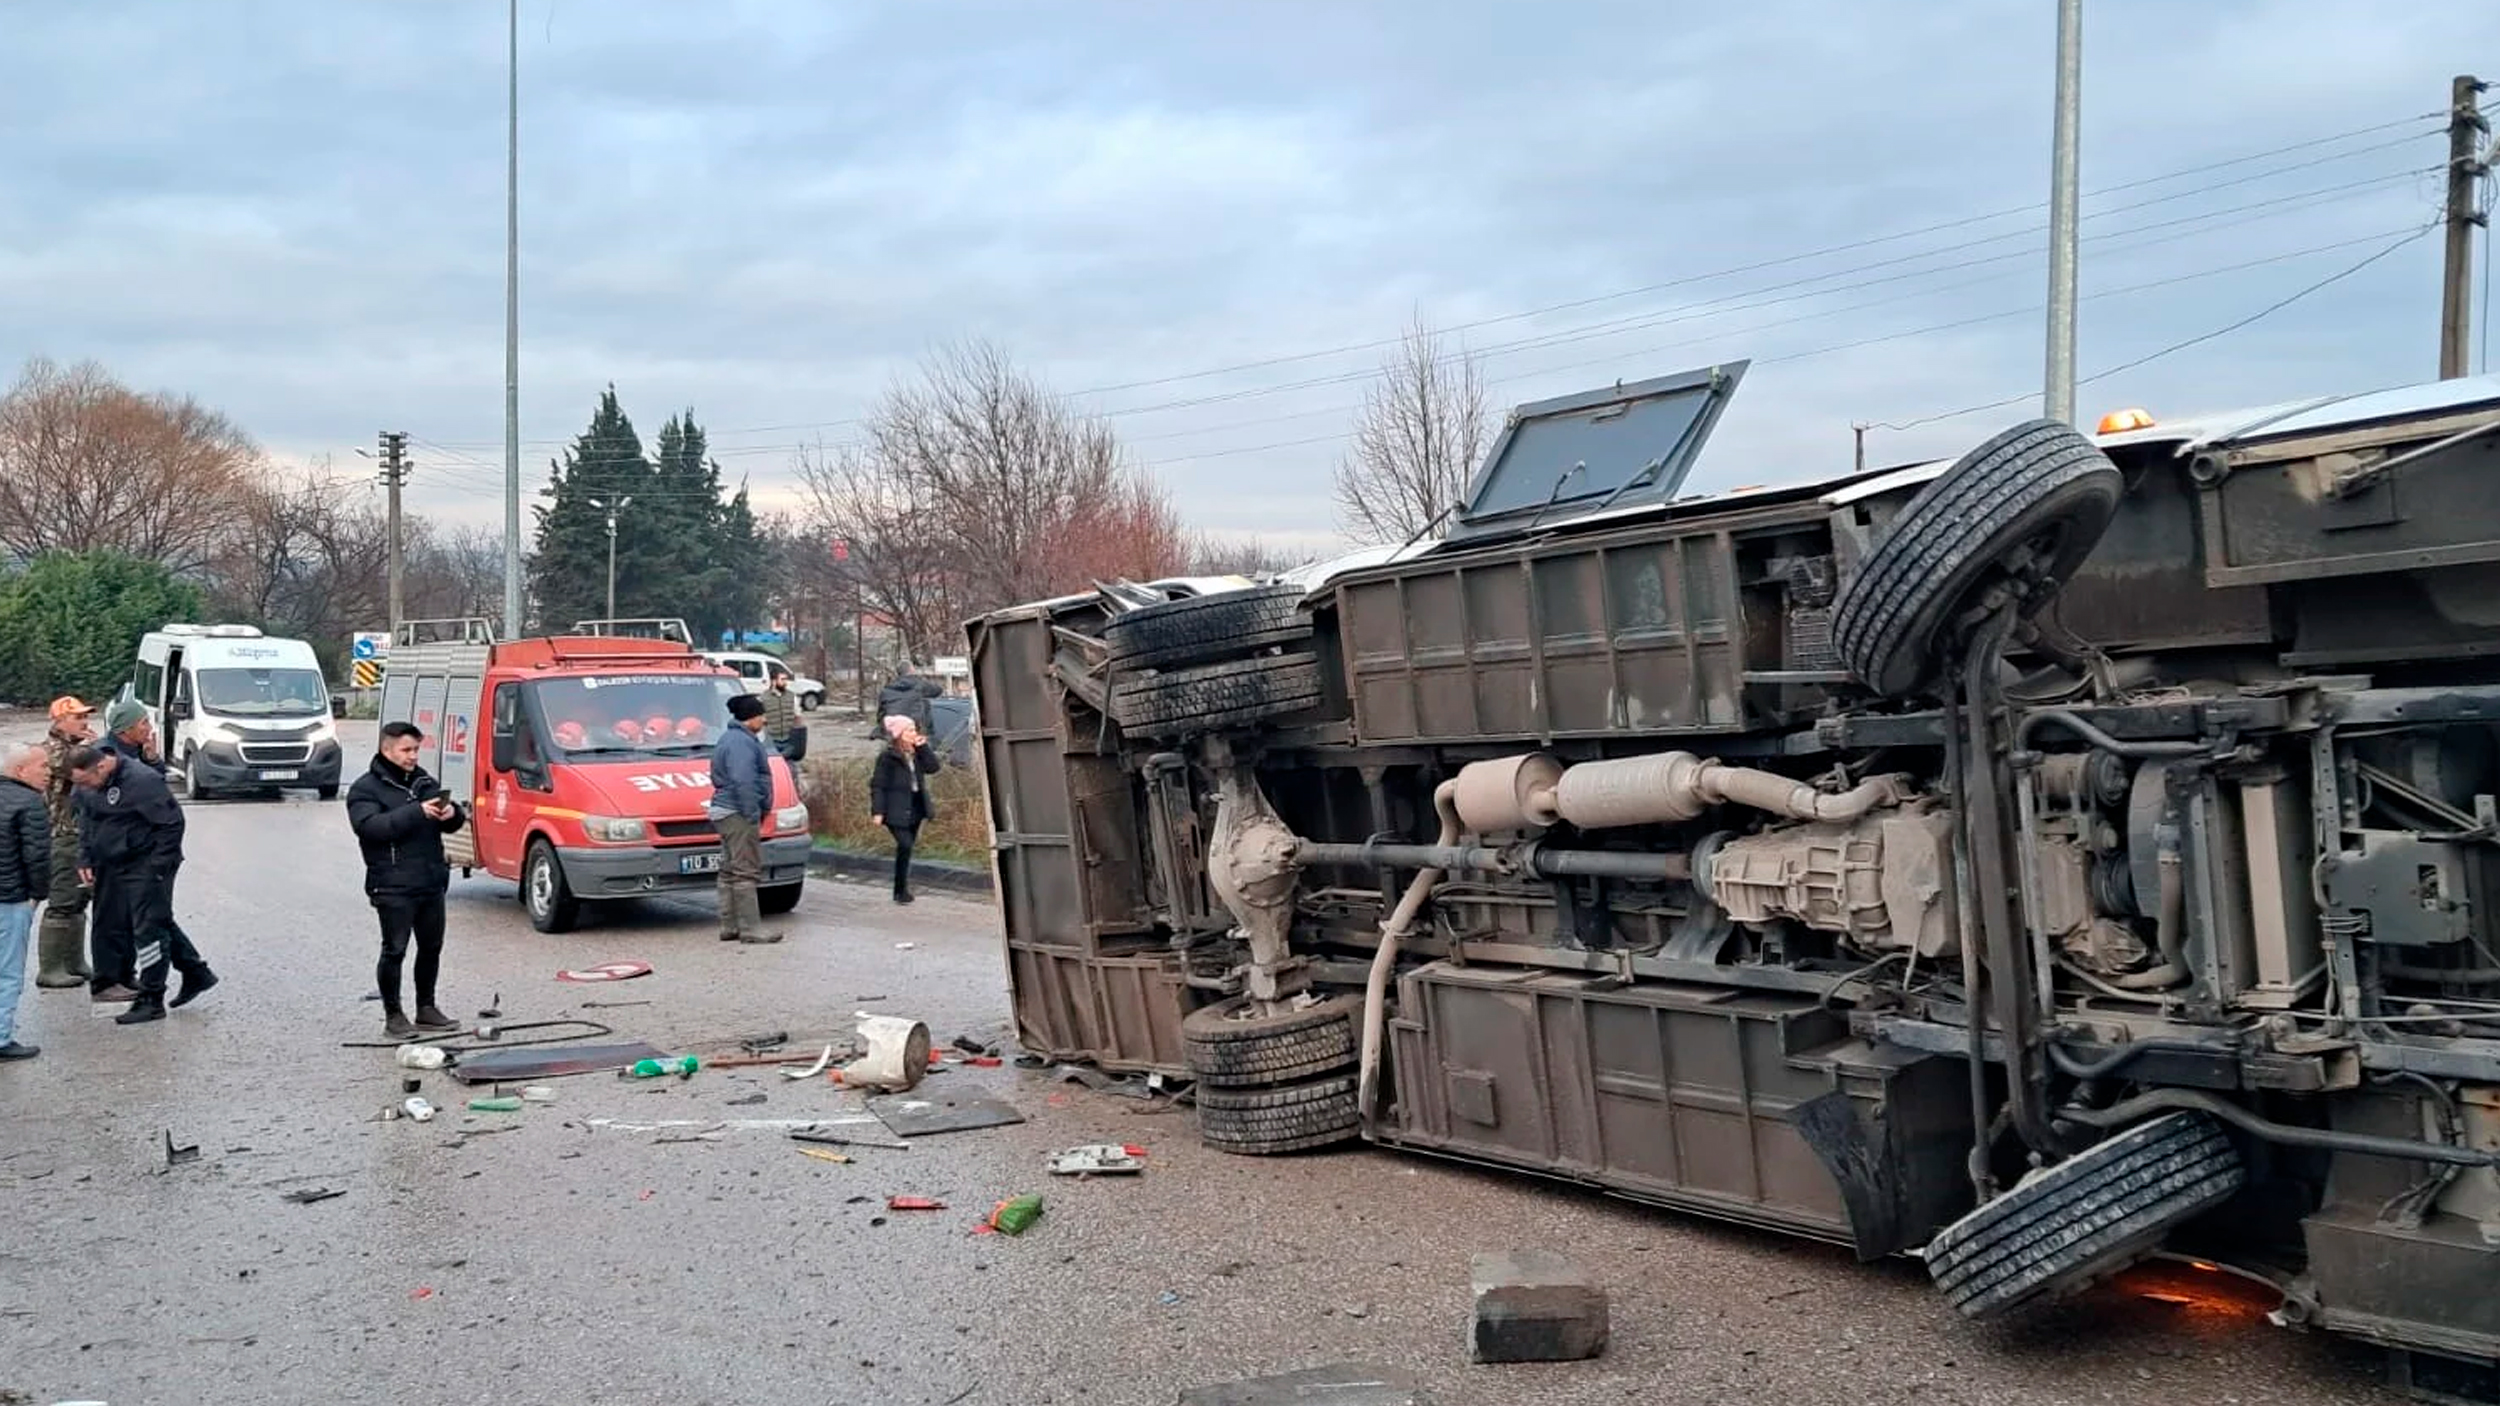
x=2033, y=862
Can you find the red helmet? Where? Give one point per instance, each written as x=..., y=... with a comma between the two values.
x=656, y=727
x=628, y=730
x=690, y=728
x=572, y=736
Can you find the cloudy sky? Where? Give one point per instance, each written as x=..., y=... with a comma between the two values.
x=1204, y=219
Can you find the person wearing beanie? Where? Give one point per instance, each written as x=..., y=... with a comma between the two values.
x=742, y=792
x=61, y=943
x=131, y=842
x=897, y=797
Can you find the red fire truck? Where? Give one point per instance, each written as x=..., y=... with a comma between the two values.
x=587, y=759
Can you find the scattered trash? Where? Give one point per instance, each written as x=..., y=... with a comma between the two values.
x=862, y=1131
x=538, y=1093
x=1031, y=1061
x=607, y=971
x=905, y=946
x=1168, y=1297
x=746, y=1101
x=514, y=1065
x=1101, y=1083
x=711, y=1135
x=422, y=1057
x=1099, y=1159
x=412, y=1085
x=913, y=1203
x=493, y=1009
x=1015, y=1215
x=647, y=1194
x=484, y=1032
x=811, y=1071
x=423, y=1293
x=179, y=1156
x=897, y=1057
x=875, y=1221
x=971, y=1046
x=611, y=1005
x=419, y=1109
x=823, y=1156
x=309, y=1195
x=683, y=1066
x=494, y=1105
x=919, y=1117
x=758, y=1044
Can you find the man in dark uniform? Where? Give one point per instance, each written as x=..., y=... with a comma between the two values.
x=130, y=842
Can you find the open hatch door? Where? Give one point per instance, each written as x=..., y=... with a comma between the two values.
x=1597, y=451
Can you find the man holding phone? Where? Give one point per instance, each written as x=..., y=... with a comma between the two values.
x=400, y=815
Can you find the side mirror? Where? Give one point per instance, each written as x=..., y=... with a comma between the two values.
x=180, y=709
x=505, y=751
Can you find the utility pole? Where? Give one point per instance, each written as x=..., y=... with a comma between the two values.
x=2465, y=173
x=611, y=561
x=394, y=474
x=512, y=330
x=2058, y=395
x=1859, y=431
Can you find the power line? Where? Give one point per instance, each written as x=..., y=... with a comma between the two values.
x=1688, y=280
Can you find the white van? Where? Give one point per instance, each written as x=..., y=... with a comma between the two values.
x=238, y=711
x=756, y=670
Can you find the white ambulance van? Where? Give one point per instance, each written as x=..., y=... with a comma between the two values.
x=237, y=711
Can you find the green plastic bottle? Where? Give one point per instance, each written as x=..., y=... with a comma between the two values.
x=1012, y=1217
x=654, y=1068
x=494, y=1105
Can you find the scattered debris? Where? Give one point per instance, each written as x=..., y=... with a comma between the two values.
x=921, y=1117
x=861, y=1131
x=822, y=1155
x=513, y=1065
x=714, y=1134
x=1130, y=1086
x=1535, y=1306
x=971, y=1046
x=905, y=946
x=310, y=1194
x=1099, y=1159
x=607, y=971
x=179, y=1156
x=758, y=1044
x=422, y=1293
x=822, y=1062
x=913, y=1203
x=1014, y=1215
x=493, y=1009
x=1345, y=1384
x=897, y=1055
x=538, y=1093
x=419, y=1109
x=683, y=1066
x=1031, y=1061
x=422, y=1057
x=1168, y=1297
x=413, y=1084
x=746, y=1100
x=494, y=1105
x=611, y=1005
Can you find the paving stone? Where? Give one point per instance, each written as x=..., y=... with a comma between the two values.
x=1535, y=1306
x=1345, y=1384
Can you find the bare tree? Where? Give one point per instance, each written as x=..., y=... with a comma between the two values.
x=873, y=543
x=1417, y=441
x=1212, y=554
x=87, y=464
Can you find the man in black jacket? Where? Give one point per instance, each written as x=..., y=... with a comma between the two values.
x=25, y=876
x=130, y=838
x=400, y=815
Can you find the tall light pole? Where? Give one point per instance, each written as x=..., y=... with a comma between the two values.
x=2058, y=394
x=512, y=327
x=611, y=561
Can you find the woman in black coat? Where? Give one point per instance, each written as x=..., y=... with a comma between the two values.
x=898, y=798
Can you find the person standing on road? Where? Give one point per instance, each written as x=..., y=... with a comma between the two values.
x=25, y=876
x=781, y=713
x=897, y=797
x=130, y=735
x=62, y=947
x=742, y=792
x=130, y=837
x=400, y=815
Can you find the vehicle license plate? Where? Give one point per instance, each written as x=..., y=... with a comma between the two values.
x=279, y=775
x=699, y=864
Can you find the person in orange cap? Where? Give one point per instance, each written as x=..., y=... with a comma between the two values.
x=61, y=944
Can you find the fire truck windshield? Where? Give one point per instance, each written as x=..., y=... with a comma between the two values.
x=677, y=715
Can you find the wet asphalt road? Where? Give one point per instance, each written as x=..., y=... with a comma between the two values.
x=561, y=1262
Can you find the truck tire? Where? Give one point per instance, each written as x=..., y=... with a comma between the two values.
x=2087, y=1217
x=2040, y=491
x=1228, y=1048
x=1266, y=1122
x=779, y=898
x=544, y=894
x=1204, y=629
x=1209, y=697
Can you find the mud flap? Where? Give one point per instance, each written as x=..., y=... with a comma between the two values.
x=1869, y=1189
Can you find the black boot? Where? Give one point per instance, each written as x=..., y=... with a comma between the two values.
x=397, y=1026
x=195, y=984
x=148, y=1007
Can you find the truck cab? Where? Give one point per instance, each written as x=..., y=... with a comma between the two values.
x=586, y=760
x=237, y=710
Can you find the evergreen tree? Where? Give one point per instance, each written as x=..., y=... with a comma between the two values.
x=603, y=470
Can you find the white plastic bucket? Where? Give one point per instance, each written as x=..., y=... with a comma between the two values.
x=898, y=1053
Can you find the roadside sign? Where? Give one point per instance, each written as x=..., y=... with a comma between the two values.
x=952, y=666
x=368, y=651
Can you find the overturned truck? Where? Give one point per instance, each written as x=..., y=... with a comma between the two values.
x=2076, y=851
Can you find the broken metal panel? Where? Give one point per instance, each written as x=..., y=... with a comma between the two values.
x=1692, y=1096
x=1122, y=1013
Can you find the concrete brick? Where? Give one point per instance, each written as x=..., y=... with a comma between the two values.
x=1342, y=1385
x=1535, y=1306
